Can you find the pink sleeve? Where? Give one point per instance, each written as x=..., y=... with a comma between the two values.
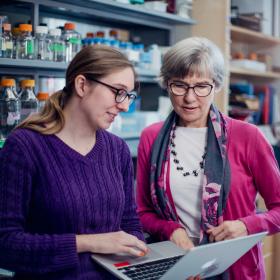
x=151, y=221
x=266, y=174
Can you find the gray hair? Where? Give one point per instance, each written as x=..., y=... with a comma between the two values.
x=193, y=56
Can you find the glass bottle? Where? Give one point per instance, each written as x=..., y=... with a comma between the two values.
x=57, y=45
x=42, y=98
x=9, y=107
x=25, y=43
x=7, y=48
x=72, y=41
x=29, y=102
x=42, y=43
x=16, y=35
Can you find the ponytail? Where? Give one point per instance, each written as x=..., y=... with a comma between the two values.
x=51, y=119
x=98, y=61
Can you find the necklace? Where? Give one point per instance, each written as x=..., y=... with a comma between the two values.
x=179, y=167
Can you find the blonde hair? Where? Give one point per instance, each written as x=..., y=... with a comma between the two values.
x=98, y=61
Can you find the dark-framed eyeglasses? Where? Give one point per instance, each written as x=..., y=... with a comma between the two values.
x=180, y=88
x=120, y=93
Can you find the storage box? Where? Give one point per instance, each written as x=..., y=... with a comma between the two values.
x=248, y=64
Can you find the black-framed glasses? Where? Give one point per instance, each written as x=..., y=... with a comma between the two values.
x=180, y=88
x=120, y=93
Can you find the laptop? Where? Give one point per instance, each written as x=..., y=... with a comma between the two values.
x=166, y=261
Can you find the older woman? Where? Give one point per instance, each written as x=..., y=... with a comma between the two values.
x=199, y=171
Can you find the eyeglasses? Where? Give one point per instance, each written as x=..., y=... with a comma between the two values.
x=120, y=93
x=180, y=89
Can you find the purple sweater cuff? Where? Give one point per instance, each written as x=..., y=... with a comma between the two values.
x=66, y=255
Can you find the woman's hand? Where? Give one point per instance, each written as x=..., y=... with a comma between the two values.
x=181, y=239
x=111, y=243
x=227, y=230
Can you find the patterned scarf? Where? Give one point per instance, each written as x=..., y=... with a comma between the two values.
x=216, y=181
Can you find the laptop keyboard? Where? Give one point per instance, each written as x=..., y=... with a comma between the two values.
x=149, y=271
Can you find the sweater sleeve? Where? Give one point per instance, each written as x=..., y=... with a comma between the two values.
x=22, y=251
x=130, y=221
x=151, y=221
x=266, y=174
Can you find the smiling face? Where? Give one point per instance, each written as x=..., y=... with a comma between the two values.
x=99, y=104
x=192, y=110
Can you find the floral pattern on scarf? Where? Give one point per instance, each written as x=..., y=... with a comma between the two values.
x=216, y=180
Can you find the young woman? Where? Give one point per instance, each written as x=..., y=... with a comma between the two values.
x=66, y=184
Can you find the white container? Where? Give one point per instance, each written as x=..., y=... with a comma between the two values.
x=156, y=5
x=156, y=57
x=248, y=64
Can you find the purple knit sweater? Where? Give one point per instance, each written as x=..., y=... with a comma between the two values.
x=49, y=193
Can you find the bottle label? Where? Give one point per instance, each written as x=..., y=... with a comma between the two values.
x=9, y=45
x=13, y=118
x=56, y=47
x=30, y=47
x=75, y=41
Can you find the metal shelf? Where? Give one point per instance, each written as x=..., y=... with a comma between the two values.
x=35, y=64
x=50, y=68
x=111, y=11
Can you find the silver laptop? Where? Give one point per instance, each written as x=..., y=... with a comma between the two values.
x=166, y=261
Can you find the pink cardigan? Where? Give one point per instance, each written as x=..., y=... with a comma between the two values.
x=253, y=169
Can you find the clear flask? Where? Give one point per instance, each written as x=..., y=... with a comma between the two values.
x=72, y=41
x=29, y=102
x=57, y=45
x=42, y=98
x=9, y=107
x=42, y=43
x=16, y=35
x=25, y=42
x=7, y=47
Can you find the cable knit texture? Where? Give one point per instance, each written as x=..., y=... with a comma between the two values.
x=49, y=193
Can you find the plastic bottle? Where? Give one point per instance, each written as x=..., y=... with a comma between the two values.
x=42, y=43
x=89, y=35
x=113, y=34
x=42, y=97
x=106, y=42
x=25, y=43
x=72, y=41
x=97, y=41
x=115, y=43
x=100, y=34
x=7, y=47
x=156, y=58
x=9, y=107
x=57, y=45
x=29, y=102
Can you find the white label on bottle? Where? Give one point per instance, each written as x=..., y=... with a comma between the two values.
x=9, y=45
x=12, y=118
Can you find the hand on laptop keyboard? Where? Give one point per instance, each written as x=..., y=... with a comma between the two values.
x=111, y=243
